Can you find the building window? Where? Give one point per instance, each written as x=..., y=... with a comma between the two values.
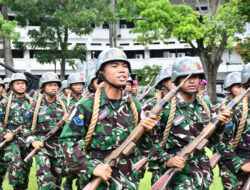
x=139, y=54
x=17, y=53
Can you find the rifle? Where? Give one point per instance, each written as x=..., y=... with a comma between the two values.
x=247, y=184
x=59, y=125
x=197, y=144
x=214, y=159
x=140, y=164
x=14, y=133
x=146, y=90
x=33, y=80
x=129, y=144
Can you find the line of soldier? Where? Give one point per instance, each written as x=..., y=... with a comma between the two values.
x=104, y=118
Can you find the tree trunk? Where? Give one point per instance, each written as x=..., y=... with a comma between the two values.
x=7, y=46
x=210, y=69
x=62, y=72
x=112, y=27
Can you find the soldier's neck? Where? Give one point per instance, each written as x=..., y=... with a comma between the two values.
x=187, y=97
x=112, y=93
x=19, y=95
x=50, y=99
x=77, y=96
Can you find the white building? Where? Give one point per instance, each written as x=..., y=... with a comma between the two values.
x=157, y=53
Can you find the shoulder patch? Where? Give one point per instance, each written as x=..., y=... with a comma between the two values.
x=78, y=121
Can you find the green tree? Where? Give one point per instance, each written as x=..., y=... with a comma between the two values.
x=147, y=73
x=209, y=35
x=7, y=33
x=242, y=48
x=56, y=20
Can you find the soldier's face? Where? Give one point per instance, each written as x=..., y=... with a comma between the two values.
x=6, y=85
x=128, y=87
x=1, y=89
x=67, y=91
x=168, y=84
x=19, y=86
x=51, y=88
x=236, y=89
x=192, y=84
x=116, y=72
x=77, y=87
x=247, y=86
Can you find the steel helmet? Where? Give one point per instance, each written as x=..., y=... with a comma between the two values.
x=245, y=73
x=231, y=79
x=64, y=85
x=75, y=78
x=184, y=66
x=111, y=54
x=91, y=77
x=16, y=77
x=6, y=80
x=48, y=78
x=165, y=73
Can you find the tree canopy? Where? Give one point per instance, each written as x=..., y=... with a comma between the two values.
x=55, y=20
x=208, y=34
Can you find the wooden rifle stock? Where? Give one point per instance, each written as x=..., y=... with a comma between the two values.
x=51, y=133
x=2, y=144
x=247, y=184
x=129, y=144
x=140, y=164
x=214, y=160
x=198, y=143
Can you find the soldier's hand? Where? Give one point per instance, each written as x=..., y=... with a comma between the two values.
x=37, y=145
x=9, y=137
x=149, y=122
x=224, y=117
x=246, y=167
x=176, y=162
x=103, y=170
x=66, y=117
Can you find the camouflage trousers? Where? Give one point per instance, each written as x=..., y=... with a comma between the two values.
x=49, y=167
x=117, y=181
x=19, y=171
x=231, y=181
x=3, y=170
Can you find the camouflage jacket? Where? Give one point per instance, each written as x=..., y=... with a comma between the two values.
x=17, y=116
x=49, y=115
x=190, y=119
x=235, y=159
x=114, y=125
x=72, y=101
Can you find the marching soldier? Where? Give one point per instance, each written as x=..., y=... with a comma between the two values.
x=64, y=90
x=75, y=84
x=111, y=115
x=6, y=82
x=184, y=118
x=2, y=95
x=235, y=157
x=45, y=113
x=13, y=115
x=93, y=82
x=164, y=85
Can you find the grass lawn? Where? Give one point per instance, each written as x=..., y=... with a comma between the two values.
x=145, y=183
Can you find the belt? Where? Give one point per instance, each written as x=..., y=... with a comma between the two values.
x=100, y=154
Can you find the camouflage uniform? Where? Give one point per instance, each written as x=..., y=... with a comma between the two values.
x=49, y=160
x=17, y=149
x=232, y=160
x=115, y=122
x=189, y=120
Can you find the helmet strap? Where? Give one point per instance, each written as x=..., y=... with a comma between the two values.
x=49, y=94
x=18, y=93
x=117, y=87
x=77, y=93
x=188, y=93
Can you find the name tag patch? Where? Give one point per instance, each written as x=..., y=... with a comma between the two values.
x=179, y=119
x=103, y=113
